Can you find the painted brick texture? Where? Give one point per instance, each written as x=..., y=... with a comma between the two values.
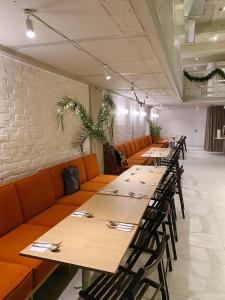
x=30, y=138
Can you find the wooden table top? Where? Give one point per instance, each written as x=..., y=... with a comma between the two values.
x=148, y=169
x=147, y=174
x=87, y=243
x=123, y=188
x=120, y=209
x=157, y=152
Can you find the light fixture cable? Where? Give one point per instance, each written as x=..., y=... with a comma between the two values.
x=79, y=47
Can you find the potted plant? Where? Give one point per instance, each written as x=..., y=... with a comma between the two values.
x=100, y=130
x=154, y=130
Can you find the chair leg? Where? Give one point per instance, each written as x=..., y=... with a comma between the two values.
x=174, y=217
x=170, y=267
x=164, y=289
x=181, y=197
x=185, y=146
x=172, y=237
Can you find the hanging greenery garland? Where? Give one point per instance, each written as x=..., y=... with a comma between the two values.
x=209, y=76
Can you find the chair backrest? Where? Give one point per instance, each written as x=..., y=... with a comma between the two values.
x=146, y=232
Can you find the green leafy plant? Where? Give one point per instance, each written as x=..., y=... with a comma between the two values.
x=217, y=71
x=154, y=131
x=101, y=130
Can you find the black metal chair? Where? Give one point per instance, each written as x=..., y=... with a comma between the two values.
x=121, y=284
x=127, y=284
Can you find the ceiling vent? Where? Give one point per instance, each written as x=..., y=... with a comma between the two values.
x=192, y=10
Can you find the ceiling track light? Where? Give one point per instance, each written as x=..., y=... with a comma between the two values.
x=107, y=73
x=132, y=88
x=30, y=33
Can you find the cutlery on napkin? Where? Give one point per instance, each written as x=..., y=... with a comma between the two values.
x=53, y=247
x=120, y=226
x=111, y=191
x=82, y=213
x=134, y=195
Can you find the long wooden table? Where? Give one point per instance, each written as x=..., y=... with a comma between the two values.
x=89, y=243
x=157, y=153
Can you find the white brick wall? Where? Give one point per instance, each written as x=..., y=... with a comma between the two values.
x=127, y=127
x=29, y=136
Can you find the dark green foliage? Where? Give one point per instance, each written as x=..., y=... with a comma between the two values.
x=219, y=72
x=101, y=130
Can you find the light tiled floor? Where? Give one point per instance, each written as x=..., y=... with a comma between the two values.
x=199, y=272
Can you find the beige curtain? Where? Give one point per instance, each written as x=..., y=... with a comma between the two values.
x=215, y=120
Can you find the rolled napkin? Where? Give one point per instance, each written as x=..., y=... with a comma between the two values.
x=82, y=213
x=134, y=195
x=44, y=246
x=108, y=191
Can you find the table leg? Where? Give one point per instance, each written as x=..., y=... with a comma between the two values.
x=86, y=278
x=155, y=161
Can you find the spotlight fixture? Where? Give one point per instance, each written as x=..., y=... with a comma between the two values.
x=132, y=88
x=29, y=26
x=106, y=72
x=196, y=58
x=214, y=38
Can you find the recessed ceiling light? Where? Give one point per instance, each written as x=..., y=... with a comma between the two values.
x=196, y=58
x=223, y=9
x=195, y=68
x=106, y=72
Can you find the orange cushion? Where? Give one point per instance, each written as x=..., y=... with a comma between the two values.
x=15, y=241
x=56, y=174
x=127, y=149
x=146, y=141
x=133, y=161
x=132, y=147
x=76, y=199
x=92, y=186
x=35, y=193
x=136, y=145
x=10, y=212
x=79, y=163
x=149, y=139
x=91, y=166
x=104, y=178
x=16, y=281
x=53, y=215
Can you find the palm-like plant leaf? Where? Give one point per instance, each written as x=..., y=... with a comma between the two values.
x=102, y=130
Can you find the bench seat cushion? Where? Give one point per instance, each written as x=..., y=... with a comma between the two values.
x=53, y=215
x=92, y=186
x=76, y=199
x=135, y=161
x=79, y=163
x=16, y=281
x=91, y=166
x=103, y=178
x=15, y=241
x=36, y=194
x=11, y=215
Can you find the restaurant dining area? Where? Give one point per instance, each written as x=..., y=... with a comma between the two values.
x=112, y=150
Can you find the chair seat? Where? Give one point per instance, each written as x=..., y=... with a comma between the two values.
x=16, y=281
x=53, y=215
x=75, y=199
x=103, y=178
x=92, y=186
x=15, y=241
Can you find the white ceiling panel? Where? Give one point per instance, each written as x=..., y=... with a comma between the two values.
x=66, y=58
x=109, y=29
x=77, y=19
x=144, y=81
x=154, y=65
x=162, y=79
x=132, y=66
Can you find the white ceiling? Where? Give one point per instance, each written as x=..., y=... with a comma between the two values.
x=109, y=29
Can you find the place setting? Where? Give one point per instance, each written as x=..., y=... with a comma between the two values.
x=120, y=226
x=44, y=246
x=82, y=214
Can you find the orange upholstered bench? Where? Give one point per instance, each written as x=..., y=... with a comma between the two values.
x=28, y=208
